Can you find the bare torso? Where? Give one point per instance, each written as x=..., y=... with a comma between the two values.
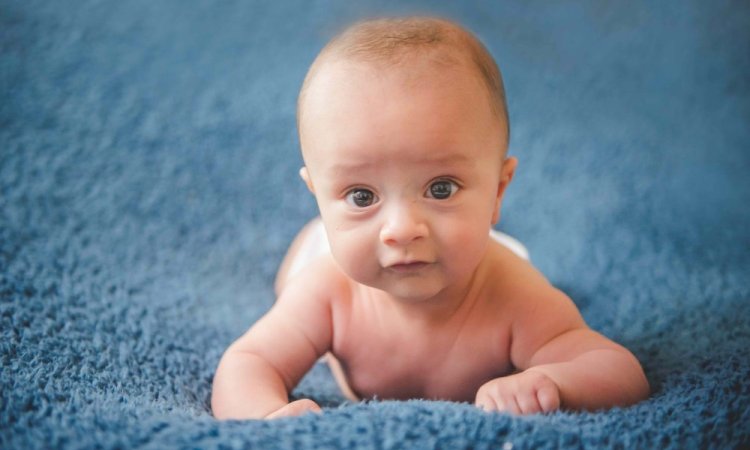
x=382, y=357
x=377, y=352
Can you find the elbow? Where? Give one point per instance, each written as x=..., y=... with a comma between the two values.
x=643, y=388
x=627, y=384
x=638, y=388
x=222, y=386
x=217, y=412
x=218, y=405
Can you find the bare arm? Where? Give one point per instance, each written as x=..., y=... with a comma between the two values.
x=246, y=387
x=257, y=372
x=591, y=371
x=562, y=362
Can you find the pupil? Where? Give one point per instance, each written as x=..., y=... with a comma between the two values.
x=362, y=198
x=441, y=190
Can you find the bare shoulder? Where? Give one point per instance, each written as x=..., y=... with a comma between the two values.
x=515, y=278
x=322, y=276
x=538, y=311
x=298, y=329
x=321, y=281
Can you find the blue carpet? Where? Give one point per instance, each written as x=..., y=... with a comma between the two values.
x=148, y=191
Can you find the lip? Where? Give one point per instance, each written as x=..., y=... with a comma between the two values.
x=408, y=267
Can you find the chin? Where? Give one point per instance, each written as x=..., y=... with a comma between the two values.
x=415, y=293
x=407, y=290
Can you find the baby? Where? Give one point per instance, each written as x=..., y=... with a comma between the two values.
x=404, y=133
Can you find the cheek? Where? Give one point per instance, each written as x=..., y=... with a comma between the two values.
x=354, y=253
x=464, y=242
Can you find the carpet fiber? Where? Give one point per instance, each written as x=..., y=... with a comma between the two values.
x=148, y=191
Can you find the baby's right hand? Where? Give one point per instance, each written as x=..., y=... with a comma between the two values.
x=296, y=408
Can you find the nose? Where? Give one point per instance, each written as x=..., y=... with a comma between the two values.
x=403, y=225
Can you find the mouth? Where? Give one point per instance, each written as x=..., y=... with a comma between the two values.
x=408, y=267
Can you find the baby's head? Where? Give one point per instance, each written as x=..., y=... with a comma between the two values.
x=408, y=46
x=404, y=133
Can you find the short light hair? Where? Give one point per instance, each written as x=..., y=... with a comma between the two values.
x=396, y=41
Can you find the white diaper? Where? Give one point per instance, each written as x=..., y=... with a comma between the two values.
x=316, y=245
x=511, y=243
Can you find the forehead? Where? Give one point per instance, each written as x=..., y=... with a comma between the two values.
x=429, y=66
x=354, y=107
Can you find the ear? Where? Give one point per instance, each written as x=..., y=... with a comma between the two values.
x=506, y=175
x=305, y=175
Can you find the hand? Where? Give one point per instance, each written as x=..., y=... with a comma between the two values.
x=527, y=392
x=296, y=408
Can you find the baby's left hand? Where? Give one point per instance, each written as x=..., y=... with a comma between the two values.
x=527, y=392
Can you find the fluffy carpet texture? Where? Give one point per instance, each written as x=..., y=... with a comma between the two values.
x=149, y=189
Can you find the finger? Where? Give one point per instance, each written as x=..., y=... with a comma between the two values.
x=281, y=412
x=296, y=408
x=304, y=406
x=509, y=404
x=486, y=403
x=528, y=403
x=549, y=398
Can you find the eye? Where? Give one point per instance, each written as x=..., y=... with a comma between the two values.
x=361, y=198
x=442, y=189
